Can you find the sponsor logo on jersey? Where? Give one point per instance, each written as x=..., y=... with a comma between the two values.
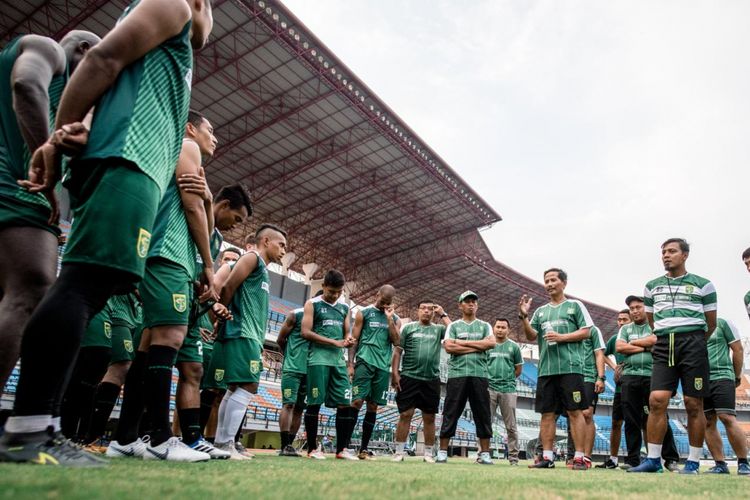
x=254, y=366
x=219, y=375
x=189, y=77
x=128, y=345
x=108, y=329
x=698, y=382
x=577, y=396
x=332, y=322
x=265, y=287
x=144, y=242
x=571, y=310
x=179, y=302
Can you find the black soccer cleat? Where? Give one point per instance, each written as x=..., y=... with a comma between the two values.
x=543, y=464
x=45, y=448
x=608, y=464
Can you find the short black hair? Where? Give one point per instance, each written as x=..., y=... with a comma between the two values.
x=633, y=298
x=334, y=278
x=424, y=301
x=230, y=249
x=560, y=273
x=684, y=245
x=272, y=227
x=195, y=118
x=502, y=319
x=746, y=254
x=237, y=196
x=625, y=311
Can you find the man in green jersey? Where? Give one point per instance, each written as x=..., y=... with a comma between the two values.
x=33, y=71
x=467, y=340
x=593, y=383
x=415, y=371
x=615, y=435
x=138, y=79
x=375, y=331
x=746, y=260
x=726, y=373
x=634, y=342
x=325, y=324
x=237, y=354
x=560, y=327
x=681, y=310
x=505, y=367
x=228, y=255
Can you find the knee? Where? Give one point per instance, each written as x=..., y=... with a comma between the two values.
x=408, y=414
x=23, y=300
x=427, y=419
x=357, y=403
x=312, y=410
x=289, y=407
x=711, y=421
x=371, y=407
x=693, y=407
x=191, y=373
x=727, y=420
x=117, y=372
x=658, y=404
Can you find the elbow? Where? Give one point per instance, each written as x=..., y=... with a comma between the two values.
x=104, y=63
x=28, y=89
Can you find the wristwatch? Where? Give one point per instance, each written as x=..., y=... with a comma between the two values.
x=444, y=315
x=603, y=379
x=523, y=316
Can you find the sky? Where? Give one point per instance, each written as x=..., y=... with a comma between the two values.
x=596, y=129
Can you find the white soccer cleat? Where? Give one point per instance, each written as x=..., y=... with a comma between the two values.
x=317, y=454
x=229, y=447
x=429, y=459
x=174, y=450
x=346, y=455
x=136, y=449
x=213, y=451
x=398, y=457
x=484, y=458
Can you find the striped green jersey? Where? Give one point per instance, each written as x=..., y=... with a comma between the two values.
x=126, y=310
x=421, y=350
x=679, y=304
x=595, y=342
x=747, y=303
x=171, y=238
x=14, y=153
x=296, y=350
x=610, y=350
x=566, y=317
x=718, y=350
x=328, y=321
x=141, y=118
x=502, y=367
x=374, y=346
x=639, y=364
x=249, y=305
x=217, y=239
x=473, y=364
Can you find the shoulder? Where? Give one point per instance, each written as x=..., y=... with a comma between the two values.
x=577, y=303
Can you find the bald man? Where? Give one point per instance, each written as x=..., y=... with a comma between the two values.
x=376, y=331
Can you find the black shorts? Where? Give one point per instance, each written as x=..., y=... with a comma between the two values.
x=617, y=415
x=681, y=357
x=421, y=394
x=566, y=392
x=721, y=401
x=458, y=391
x=590, y=397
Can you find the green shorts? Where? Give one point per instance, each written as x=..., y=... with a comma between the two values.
x=208, y=353
x=114, y=208
x=329, y=385
x=122, y=344
x=99, y=331
x=370, y=383
x=192, y=347
x=20, y=213
x=166, y=291
x=235, y=361
x=293, y=389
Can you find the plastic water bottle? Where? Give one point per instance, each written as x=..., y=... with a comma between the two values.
x=547, y=327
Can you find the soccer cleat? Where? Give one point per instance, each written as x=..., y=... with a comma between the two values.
x=45, y=448
x=174, y=450
x=671, y=466
x=718, y=469
x=691, y=468
x=213, y=452
x=743, y=470
x=316, y=455
x=229, y=447
x=366, y=455
x=442, y=457
x=543, y=464
x=346, y=454
x=398, y=457
x=648, y=465
x=587, y=461
x=626, y=467
x=514, y=463
x=484, y=458
x=243, y=451
x=579, y=464
x=607, y=464
x=428, y=459
x=136, y=449
x=95, y=447
x=289, y=451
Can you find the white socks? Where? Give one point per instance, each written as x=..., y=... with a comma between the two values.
x=548, y=455
x=695, y=454
x=578, y=454
x=31, y=423
x=654, y=450
x=234, y=406
x=428, y=451
x=400, y=447
x=615, y=460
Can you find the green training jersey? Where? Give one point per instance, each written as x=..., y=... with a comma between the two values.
x=569, y=316
x=126, y=310
x=502, y=366
x=636, y=364
x=747, y=303
x=718, y=350
x=14, y=153
x=611, y=350
x=171, y=238
x=328, y=322
x=141, y=118
x=374, y=346
x=217, y=239
x=421, y=350
x=249, y=305
x=595, y=342
x=679, y=304
x=296, y=350
x=473, y=364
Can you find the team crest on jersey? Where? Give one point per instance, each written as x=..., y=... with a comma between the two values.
x=689, y=289
x=577, y=396
x=698, y=383
x=143, y=244
x=108, y=330
x=128, y=345
x=645, y=409
x=315, y=392
x=254, y=366
x=287, y=393
x=219, y=375
x=355, y=390
x=179, y=302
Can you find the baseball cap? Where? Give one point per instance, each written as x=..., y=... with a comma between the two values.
x=467, y=294
x=633, y=298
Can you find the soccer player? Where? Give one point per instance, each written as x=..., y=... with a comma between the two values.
x=560, y=327
x=33, y=71
x=593, y=383
x=325, y=324
x=635, y=342
x=681, y=310
x=726, y=373
x=138, y=77
x=467, y=340
x=746, y=260
x=237, y=353
x=415, y=371
x=228, y=255
x=504, y=368
x=375, y=331
x=615, y=435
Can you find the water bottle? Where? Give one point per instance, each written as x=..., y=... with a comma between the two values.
x=547, y=327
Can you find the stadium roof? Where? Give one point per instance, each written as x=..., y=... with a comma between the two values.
x=324, y=157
